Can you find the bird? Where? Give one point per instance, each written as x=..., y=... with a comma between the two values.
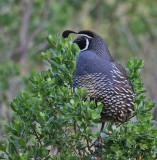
x=106, y=80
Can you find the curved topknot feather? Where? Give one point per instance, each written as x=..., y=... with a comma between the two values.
x=66, y=33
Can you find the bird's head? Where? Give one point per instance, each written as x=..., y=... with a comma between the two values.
x=84, y=38
x=89, y=40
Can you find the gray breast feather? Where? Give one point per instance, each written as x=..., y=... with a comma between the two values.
x=89, y=63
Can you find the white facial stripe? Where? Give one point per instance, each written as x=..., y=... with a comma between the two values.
x=83, y=35
x=87, y=44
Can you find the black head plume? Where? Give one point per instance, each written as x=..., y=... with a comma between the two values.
x=88, y=33
x=66, y=33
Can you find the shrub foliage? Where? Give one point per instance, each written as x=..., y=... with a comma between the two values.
x=51, y=115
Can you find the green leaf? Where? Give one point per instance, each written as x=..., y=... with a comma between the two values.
x=12, y=148
x=46, y=63
x=21, y=142
x=2, y=157
x=3, y=147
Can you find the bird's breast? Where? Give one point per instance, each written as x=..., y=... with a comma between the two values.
x=105, y=83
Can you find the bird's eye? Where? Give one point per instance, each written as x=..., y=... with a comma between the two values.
x=81, y=42
x=81, y=39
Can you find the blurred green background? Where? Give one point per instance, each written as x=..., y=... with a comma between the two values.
x=128, y=27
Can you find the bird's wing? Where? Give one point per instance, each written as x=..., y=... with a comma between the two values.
x=123, y=73
x=122, y=85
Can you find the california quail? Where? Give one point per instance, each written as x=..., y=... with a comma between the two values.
x=105, y=80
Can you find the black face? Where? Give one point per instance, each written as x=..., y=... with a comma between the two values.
x=83, y=42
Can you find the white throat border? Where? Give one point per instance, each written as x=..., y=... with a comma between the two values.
x=87, y=44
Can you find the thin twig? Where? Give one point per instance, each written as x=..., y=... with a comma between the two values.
x=37, y=136
x=58, y=112
x=89, y=147
x=23, y=46
x=40, y=26
x=75, y=126
x=125, y=121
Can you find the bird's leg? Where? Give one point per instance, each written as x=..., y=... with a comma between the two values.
x=109, y=130
x=102, y=127
x=95, y=104
x=99, y=142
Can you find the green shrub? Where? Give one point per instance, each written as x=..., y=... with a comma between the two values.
x=50, y=114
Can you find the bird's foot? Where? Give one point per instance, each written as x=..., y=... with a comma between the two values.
x=99, y=142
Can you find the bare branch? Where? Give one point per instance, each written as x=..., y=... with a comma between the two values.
x=40, y=26
x=41, y=46
x=130, y=37
x=121, y=14
x=23, y=46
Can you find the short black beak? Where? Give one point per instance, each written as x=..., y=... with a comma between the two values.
x=75, y=40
